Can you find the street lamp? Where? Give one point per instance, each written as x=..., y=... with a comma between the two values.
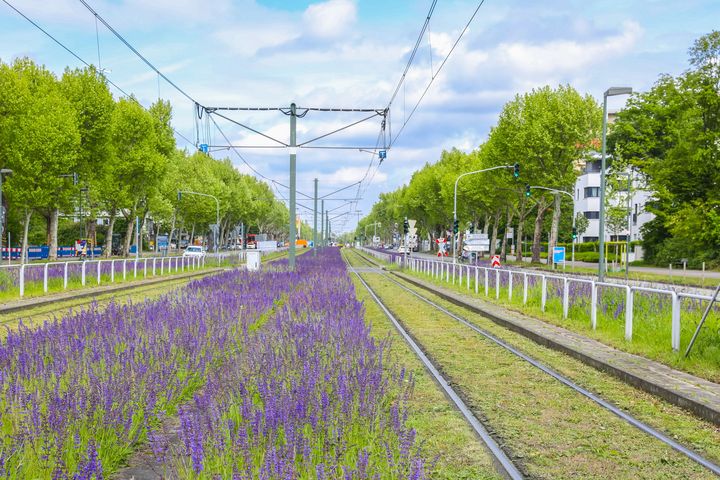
x=610, y=92
x=3, y=171
x=554, y=190
x=516, y=172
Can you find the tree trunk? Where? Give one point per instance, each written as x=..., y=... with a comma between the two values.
x=172, y=232
x=519, y=233
x=537, y=235
x=26, y=229
x=508, y=223
x=192, y=235
x=493, y=239
x=486, y=224
x=91, y=224
x=109, y=234
x=53, y=240
x=129, y=233
x=552, y=241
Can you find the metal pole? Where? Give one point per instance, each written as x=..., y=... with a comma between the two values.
x=293, y=159
x=2, y=220
x=322, y=222
x=455, y=219
x=216, y=233
x=315, y=239
x=601, y=232
x=627, y=248
x=572, y=258
x=137, y=237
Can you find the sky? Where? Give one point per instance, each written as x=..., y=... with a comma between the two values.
x=351, y=54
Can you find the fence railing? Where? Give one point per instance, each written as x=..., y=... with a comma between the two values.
x=455, y=273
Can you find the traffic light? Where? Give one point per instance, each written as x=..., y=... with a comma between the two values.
x=516, y=170
x=406, y=227
x=456, y=226
x=574, y=233
x=472, y=228
x=527, y=190
x=179, y=196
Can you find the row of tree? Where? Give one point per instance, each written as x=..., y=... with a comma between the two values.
x=546, y=131
x=71, y=145
x=669, y=137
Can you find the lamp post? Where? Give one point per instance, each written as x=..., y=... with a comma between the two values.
x=216, y=232
x=554, y=190
x=517, y=170
x=374, y=225
x=610, y=92
x=3, y=171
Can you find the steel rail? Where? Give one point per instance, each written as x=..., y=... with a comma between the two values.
x=508, y=467
x=713, y=467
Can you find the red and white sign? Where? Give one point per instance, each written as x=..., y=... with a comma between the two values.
x=442, y=247
x=496, y=261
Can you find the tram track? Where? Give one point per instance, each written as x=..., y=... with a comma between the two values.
x=545, y=369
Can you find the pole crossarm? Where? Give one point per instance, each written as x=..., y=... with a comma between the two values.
x=554, y=190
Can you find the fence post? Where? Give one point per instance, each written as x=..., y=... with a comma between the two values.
x=543, y=293
x=45, y=278
x=99, y=271
x=82, y=278
x=628, y=312
x=477, y=272
x=112, y=271
x=154, y=259
x=453, y=274
x=447, y=274
x=487, y=284
x=525, y=288
x=497, y=284
x=510, y=285
x=22, y=280
x=675, y=334
x=460, y=275
x=65, y=276
x=135, y=268
x=593, y=305
x=124, y=268
x=468, y=277
x=145, y=268
x=566, y=297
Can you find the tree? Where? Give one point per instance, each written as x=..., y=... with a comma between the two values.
x=671, y=135
x=40, y=139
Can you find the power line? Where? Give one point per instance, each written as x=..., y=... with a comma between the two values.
x=442, y=64
x=127, y=44
x=84, y=62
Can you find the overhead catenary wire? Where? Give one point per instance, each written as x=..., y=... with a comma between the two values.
x=136, y=52
x=84, y=62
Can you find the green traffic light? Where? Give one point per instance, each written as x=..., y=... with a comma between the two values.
x=516, y=170
x=527, y=190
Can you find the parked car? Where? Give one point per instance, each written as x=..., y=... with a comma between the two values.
x=194, y=251
x=403, y=249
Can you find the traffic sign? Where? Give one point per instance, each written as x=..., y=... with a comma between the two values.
x=558, y=254
x=204, y=148
x=496, y=261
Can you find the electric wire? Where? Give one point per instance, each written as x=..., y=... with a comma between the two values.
x=139, y=55
x=84, y=62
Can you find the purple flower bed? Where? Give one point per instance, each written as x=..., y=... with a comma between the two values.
x=272, y=375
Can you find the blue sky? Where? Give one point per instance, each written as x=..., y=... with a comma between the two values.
x=350, y=53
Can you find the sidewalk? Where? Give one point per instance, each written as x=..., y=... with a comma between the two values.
x=698, y=395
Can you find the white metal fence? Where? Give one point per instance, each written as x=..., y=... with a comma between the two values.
x=455, y=273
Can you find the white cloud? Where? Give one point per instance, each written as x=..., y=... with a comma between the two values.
x=330, y=19
x=348, y=175
x=566, y=55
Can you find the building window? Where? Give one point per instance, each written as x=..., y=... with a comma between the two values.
x=593, y=167
x=591, y=192
x=592, y=215
x=590, y=239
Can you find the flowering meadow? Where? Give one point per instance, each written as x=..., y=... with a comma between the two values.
x=238, y=375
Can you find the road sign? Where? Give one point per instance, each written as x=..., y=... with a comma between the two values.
x=204, y=148
x=496, y=261
x=558, y=254
x=476, y=242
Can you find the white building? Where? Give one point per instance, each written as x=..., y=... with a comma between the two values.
x=587, y=202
